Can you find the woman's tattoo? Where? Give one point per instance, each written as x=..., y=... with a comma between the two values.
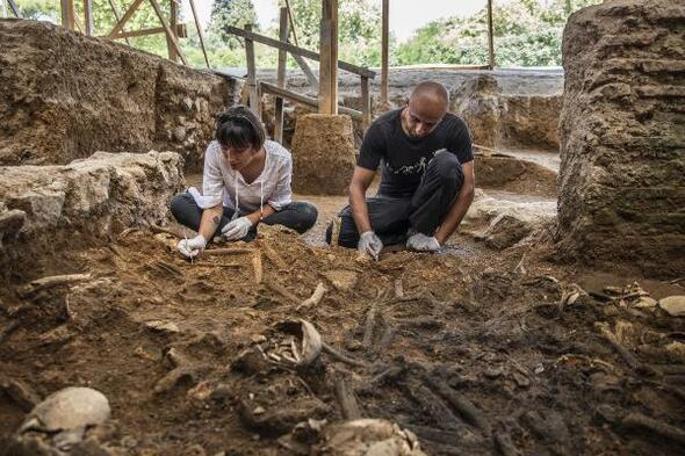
x=215, y=220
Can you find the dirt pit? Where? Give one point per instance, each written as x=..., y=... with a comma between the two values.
x=503, y=352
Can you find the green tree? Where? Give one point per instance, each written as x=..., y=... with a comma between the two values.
x=526, y=33
x=230, y=12
x=359, y=29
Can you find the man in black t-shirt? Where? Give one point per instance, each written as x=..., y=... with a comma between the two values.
x=427, y=183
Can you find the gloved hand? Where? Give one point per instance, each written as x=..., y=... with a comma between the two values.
x=190, y=248
x=236, y=229
x=422, y=243
x=370, y=244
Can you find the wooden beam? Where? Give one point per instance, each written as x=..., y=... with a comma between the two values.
x=68, y=15
x=168, y=32
x=366, y=103
x=180, y=31
x=88, y=16
x=119, y=26
x=295, y=50
x=305, y=100
x=491, y=38
x=309, y=74
x=117, y=16
x=173, y=20
x=280, y=76
x=200, y=32
x=14, y=8
x=384, y=53
x=255, y=102
x=328, y=65
x=292, y=22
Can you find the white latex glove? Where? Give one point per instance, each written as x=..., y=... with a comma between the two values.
x=422, y=243
x=370, y=244
x=236, y=229
x=190, y=248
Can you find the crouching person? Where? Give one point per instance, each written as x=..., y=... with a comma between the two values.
x=427, y=182
x=246, y=181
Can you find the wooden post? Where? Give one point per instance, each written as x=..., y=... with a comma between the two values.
x=119, y=26
x=280, y=76
x=328, y=65
x=68, y=17
x=13, y=7
x=88, y=16
x=200, y=33
x=173, y=20
x=117, y=16
x=384, y=54
x=255, y=103
x=169, y=34
x=491, y=38
x=366, y=103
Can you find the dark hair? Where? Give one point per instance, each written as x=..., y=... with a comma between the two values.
x=238, y=127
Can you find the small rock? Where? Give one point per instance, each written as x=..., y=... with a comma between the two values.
x=539, y=369
x=645, y=302
x=493, y=372
x=188, y=104
x=258, y=338
x=341, y=279
x=673, y=305
x=259, y=410
x=162, y=326
x=179, y=133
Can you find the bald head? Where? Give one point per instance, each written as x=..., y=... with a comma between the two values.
x=426, y=108
x=431, y=92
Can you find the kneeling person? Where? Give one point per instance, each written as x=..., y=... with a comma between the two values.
x=427, y=182
x=246, y=181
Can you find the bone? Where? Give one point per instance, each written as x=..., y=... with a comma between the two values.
x=347, y=400
x=342, y=357
x=315, y=298
x=257, y=265
x=51, y=281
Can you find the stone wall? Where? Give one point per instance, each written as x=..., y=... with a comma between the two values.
x=622, y=193
x=505, y=108
x=64, y=95
x=50, y=208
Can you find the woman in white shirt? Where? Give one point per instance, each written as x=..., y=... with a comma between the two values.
x=246, y=181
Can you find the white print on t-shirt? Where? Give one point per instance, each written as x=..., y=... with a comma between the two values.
x=407, y=170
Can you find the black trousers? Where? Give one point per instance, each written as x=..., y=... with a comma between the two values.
x=299, y=216
x=424, y=211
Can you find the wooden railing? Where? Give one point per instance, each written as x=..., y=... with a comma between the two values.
x=256, y=88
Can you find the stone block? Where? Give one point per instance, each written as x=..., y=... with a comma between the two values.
x=323, y=154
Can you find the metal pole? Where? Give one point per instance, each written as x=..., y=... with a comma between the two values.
x=491, y=38
x=384, y=53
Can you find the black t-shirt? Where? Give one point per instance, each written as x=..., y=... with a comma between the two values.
x=405, y=158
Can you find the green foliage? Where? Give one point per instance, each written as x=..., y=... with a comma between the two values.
x=237, y=13
x=527, y=32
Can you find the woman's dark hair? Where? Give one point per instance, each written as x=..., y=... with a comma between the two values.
x=238, y=127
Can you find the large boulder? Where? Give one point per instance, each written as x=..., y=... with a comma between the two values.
x=323, y=154
x=623, y=133
x=64, y=95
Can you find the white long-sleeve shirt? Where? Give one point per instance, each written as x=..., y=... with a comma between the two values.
x=220, y=183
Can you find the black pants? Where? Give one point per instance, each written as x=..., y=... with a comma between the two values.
x=424, y=211
x=300, y=216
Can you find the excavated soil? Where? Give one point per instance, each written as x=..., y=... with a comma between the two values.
x=502, y=352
